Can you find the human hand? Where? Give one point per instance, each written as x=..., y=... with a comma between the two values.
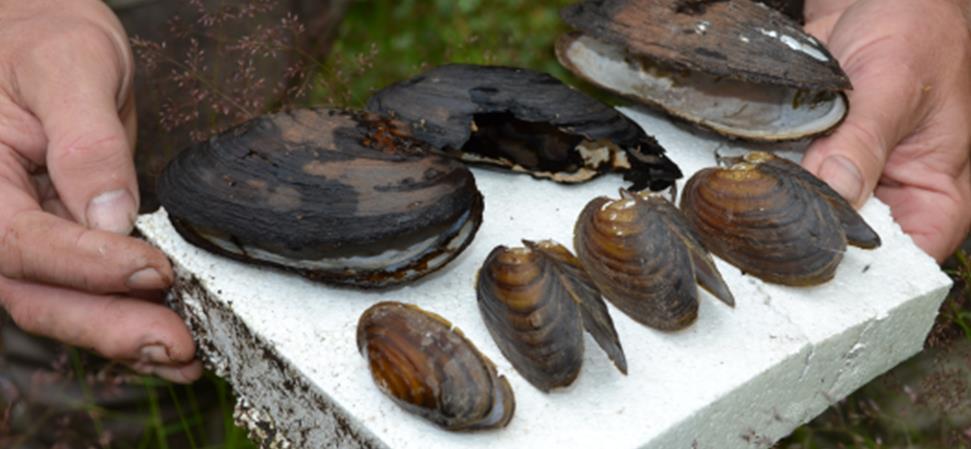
x=908, y=133
x=68, y=192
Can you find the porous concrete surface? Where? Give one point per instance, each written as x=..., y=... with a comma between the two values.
x=737, y=378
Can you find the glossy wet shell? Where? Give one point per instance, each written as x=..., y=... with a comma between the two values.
x=729, y=107
x=766, y=223
x=645, y=260
x=344, y=198
x=736, y=39
x=430, y=369
x=535, y=301
x=526, y=121
x=858, y=232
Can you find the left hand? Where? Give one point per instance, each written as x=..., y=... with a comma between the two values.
x=908, y=133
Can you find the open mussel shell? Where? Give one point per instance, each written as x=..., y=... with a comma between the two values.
x=536, y=301
x=525, y=121
x=645, y=259
x=735, y=67
x=344, y=198
x=858, y=232
x=430, y=369
x=767, y=222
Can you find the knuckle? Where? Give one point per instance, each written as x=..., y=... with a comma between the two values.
x=72, y=38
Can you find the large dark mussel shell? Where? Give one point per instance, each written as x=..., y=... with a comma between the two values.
x=428, y=368
x=526, y=121
x=710, y=41
x=771, y=222
x=646, y=260
x=734, y=67
x=535, y=302
x=339, y=197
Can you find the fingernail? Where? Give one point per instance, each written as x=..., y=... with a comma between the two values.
x=146, y=279
x=843, y=176
x=151, y=354
x=183, y=374
x=112, y=211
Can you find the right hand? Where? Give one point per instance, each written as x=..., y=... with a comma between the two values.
x=68, y=192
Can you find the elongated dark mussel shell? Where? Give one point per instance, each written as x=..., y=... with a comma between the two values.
x=646, y=260
x=430, y=369
x=535, y=302
x=339, y=197
x=767, y=222
x=526, y=121
x=734, y=67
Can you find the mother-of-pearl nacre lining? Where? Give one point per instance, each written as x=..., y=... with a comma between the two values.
x=730, y=107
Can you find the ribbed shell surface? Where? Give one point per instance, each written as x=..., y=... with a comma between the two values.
x=429, y=369
x=531, y=317
x=770, y=226
x=858, y=232
x=638, y=262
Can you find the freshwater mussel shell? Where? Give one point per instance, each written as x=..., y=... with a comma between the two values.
x=766, y=221
x=645, y=259
x=526, y=121
x=430, y=369
x=858, y=232
x=777, y=53
x=536, y=300
x=345, y=198
x=733, y=67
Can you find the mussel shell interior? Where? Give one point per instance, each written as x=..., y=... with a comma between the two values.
x=428, y=368
x=727, y=106
x=340, y=197
x=769, y=226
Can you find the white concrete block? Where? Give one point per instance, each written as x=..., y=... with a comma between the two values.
x=737, y=378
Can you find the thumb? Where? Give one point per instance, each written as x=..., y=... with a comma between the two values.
x=78, y=87
x=883, y=109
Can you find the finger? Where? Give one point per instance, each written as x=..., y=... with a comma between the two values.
x=76, y=86
x=182, y=374
x=37, y=246
x=885, y=105
x=938, y=236
x=149, y=336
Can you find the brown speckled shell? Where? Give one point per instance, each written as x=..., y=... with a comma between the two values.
x=323, y=187
x=535, y=301
x=768, y=223
x=430, y=369
x=645, y=259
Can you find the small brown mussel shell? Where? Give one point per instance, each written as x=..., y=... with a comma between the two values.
x=525, y=121
x=735, y=67
x=645, y=259
x=344, y=198
x=536, y=301
x=430, y=369
x=773, y=220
